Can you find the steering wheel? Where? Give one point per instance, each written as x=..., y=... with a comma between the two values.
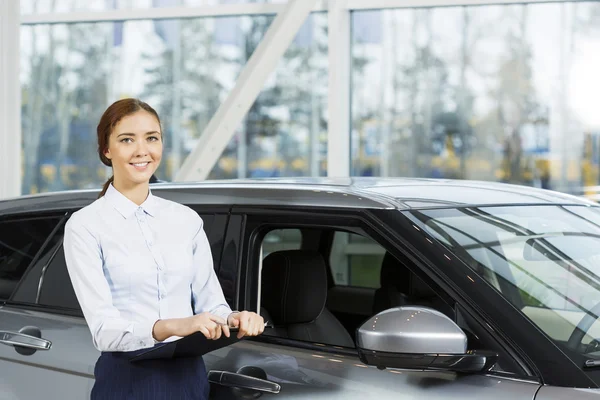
x=583, y=327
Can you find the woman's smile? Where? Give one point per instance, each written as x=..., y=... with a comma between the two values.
x=140, y=166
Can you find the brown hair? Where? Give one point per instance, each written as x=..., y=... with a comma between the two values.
x=111, y=117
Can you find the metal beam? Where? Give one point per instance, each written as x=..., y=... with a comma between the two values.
x=221, y=10
x=338, y=131
x=387, y=4
x=10, y=100
x=251, y=80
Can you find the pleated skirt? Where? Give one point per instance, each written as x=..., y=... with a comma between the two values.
x=161, y=379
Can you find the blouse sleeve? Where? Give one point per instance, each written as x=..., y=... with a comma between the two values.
x=110, y=332
x=207, y=294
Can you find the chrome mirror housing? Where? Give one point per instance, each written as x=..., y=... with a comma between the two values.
x=420, y=338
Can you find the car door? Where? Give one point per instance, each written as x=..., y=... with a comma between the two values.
x=45, y=304
x=45, y=351
x=303, y=369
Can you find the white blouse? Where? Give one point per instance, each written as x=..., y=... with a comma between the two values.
x=133, y=265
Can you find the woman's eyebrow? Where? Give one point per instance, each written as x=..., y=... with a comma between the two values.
x=133, y=134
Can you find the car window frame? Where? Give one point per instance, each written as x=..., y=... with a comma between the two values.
x=346, y=219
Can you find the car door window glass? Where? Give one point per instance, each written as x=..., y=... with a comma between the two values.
x=355, y=260
x=293, y=291
x=20, y=242
x=281, y=239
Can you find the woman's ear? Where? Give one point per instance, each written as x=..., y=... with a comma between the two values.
x=107, y=153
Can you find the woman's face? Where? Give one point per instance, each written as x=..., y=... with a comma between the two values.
x=135, y=148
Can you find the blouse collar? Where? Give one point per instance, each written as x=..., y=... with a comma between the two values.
x=126, y=207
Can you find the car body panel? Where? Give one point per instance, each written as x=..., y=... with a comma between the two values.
x=305, y=374
x=65, y=371
x=560, y=393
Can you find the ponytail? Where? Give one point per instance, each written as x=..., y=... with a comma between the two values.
x=106, y=185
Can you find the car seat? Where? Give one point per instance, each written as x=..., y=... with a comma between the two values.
x=294, y=293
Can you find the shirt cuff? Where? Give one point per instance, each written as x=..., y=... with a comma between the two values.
x=142, y=331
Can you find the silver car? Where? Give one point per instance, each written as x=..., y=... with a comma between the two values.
x=374, y=288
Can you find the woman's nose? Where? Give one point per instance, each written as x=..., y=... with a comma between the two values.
x=141, y=148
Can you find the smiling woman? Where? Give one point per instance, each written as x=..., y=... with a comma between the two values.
x=142, y=269
x=129, y=141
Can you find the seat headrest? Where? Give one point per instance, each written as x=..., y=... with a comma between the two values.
x=294, y=286
x=394, y=273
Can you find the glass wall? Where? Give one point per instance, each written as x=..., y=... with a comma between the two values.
x=184, y=68
x=494, y=92
x=502, y=93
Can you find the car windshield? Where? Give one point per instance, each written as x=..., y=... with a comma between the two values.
x=543, y=259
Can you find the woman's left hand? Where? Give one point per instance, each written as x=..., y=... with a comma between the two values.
x=248, y=323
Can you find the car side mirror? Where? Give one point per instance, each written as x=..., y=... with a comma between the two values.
x=419, y=338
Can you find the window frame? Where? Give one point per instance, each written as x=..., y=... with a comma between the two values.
x=260, y=221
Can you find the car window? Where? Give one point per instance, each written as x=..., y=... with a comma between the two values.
x=355, y=260
x=281, y=239
x=543, y=259
x=20, y=242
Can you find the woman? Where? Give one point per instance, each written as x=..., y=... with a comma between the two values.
x=142, y=269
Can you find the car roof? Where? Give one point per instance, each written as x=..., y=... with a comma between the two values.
x=363, y=192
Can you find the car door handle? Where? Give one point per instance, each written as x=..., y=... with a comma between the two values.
x=236, y=380
x=24, y=340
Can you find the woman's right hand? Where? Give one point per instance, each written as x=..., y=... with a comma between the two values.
x=210, y=325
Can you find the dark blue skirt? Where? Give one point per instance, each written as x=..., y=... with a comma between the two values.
x=160, y=379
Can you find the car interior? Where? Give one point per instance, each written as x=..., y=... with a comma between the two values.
x=320, y=285
x=322, y=289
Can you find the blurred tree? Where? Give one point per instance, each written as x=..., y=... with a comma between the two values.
x=517, y=102
x=184, y=89
x=63, y=85
x=283, y=122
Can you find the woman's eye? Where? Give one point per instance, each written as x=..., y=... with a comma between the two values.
x=153, y=138
x=126, y=140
